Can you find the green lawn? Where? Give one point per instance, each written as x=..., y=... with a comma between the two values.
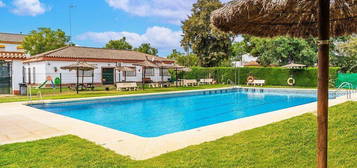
x=53, y=94
x=290, y=144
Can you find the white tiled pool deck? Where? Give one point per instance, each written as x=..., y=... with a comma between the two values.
x=20, y=123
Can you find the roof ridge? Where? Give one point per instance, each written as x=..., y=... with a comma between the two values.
x=101, y=48
x=13, y=33
x=118, y=50
x=50, y=52
x=12, y=52
x=92, y=52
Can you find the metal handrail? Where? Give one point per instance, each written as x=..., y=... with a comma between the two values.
x=230, y=82
x=349, y=89
x=29, y=95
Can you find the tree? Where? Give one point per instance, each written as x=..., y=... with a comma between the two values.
x=347, y=56
x=284, y=50
x=278, y=50
x=240, y=48
x=120, y=44
x=146, y=48
x=189, y=60
x=209, y=44
x=44, y=39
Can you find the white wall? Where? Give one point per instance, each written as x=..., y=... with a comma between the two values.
x=48, y=68
x=16, y=74
x=245, y=59
x=11, y=47
x=16, y=71
x=40, y=72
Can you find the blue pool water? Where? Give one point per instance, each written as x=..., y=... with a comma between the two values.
x=152, y=116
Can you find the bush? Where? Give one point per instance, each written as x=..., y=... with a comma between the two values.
x=276, y=76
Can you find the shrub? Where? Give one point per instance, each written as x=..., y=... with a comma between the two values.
x=272, y=75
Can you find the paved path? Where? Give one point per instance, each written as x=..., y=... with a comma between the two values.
x=17, y=128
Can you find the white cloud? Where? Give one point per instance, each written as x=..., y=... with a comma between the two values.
x=159, y=37
x=2, y=4
x=173, y=11
x=28, y=7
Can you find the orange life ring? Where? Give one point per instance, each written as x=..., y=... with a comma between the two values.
x=291, y=81
x=250, y=79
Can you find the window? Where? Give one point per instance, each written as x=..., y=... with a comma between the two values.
x=34, y=74
x=82, y=73
x=130, y=73
x=23, y=75
x=165, y=71
x=149, y=72
x=29, y=75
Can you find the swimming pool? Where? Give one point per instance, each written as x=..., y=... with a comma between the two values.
x=156, y=115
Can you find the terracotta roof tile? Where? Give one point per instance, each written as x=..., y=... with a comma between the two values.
x=12, y=37
x=98, y=53
x=12, y=55
x=252, y=63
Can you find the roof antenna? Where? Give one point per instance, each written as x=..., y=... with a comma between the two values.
x=70, y=7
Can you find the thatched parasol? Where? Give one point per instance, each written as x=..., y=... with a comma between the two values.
x=146, y=64
x=125, y=69
x=294, y=66
x=83, y=66
x=80, y=66
x=296, y=18
x=175, y=67
x=163, y=66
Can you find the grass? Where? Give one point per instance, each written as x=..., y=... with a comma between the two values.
x=286, y=144
x=53, y=94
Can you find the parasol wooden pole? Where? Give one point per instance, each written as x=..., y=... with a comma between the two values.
x=323, y=78
x=92, y=80
x=82, y=77
x=162, y=76
x=77, y=80
x=176, y=76
x=143, y=77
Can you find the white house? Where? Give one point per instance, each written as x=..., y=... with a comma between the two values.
x=44, y=66
x=246, y=59
x=11, y=62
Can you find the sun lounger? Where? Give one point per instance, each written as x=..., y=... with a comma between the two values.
x=206, y=81
x=178, y=83
x=189, y=82
x=126, y=86
x=258, y=82
x=154, y=85
x=165, y=84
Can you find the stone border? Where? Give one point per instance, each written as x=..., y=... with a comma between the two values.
x=140, y=148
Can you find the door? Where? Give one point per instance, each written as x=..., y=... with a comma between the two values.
x=108, y=76
x=5, y=77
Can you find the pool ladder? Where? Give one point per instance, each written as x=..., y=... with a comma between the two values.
x=349, y=90
x=29, y=95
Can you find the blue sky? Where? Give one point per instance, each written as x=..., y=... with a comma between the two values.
x=94, y=22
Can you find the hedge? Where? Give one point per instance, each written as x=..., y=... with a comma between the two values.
x=348, y=77
x=272, y=75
